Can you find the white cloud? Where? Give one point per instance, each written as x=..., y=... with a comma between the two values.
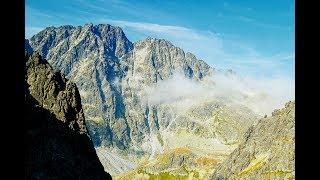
x=174, y=89
x=261, y=95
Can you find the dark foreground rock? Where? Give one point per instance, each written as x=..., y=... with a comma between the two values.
x=57, y=145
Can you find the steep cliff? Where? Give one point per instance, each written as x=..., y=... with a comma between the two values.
x=89, y=56
x=57, y=145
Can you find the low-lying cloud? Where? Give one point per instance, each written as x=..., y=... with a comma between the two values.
x=261, y=95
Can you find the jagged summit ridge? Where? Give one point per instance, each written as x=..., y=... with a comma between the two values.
x=111, y=74
x=71, y=42
x=165, y=58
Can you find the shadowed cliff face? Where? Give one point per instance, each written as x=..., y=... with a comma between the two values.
x=27, y=47
x=57, y=145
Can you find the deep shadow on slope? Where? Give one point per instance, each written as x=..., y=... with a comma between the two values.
x=54, y=149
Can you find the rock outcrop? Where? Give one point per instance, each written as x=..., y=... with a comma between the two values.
x=268, y=151
x=57, y=145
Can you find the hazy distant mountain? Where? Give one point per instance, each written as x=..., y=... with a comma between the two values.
x=57, y=145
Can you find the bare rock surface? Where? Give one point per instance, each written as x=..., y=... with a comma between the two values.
x=268, y=151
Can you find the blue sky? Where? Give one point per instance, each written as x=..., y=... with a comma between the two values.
x=252, y=37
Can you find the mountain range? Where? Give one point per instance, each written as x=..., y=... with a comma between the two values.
x=146, y=104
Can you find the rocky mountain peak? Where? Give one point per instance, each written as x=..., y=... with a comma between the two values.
x=164, y=59
x=88, y=25
x=111, y=40
x=112, y=75
x=154, y=42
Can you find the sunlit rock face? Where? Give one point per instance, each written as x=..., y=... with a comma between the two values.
x=125, y=110
x=268, y=151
